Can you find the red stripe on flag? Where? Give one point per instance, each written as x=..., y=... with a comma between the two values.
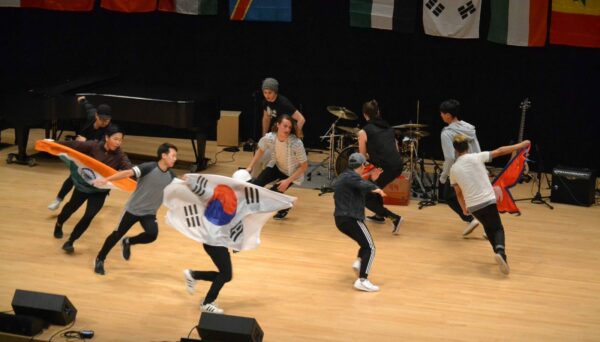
x=575, y=29
x=538, y=22
x=166, y=5
x=240, y=9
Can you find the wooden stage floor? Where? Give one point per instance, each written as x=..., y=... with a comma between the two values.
x=435, y=284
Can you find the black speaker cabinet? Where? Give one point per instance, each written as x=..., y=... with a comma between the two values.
x=225, y=328
x=573, y=186
x=54, y=309
x=21, y=324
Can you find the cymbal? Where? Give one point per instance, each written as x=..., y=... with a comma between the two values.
x=409, y=126
x=342, y=112
x=353, y=130
x=416, y=134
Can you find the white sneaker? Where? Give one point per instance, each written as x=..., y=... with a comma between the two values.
x=472, y=225
x=212, y=308
x=55, y=204
x=190, y=282
x=502, y=264
x=356, y=266
x=365, y=285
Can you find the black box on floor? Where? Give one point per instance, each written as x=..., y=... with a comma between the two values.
x=21, y=324
x=573, y=186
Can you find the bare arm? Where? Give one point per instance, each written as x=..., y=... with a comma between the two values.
x=461, y=199
x=119, y=175
x=300, y=120
x=509, y=149
x=259, y=153
x=266, y=120
x=362, y=142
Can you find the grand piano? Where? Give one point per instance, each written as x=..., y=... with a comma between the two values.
x=141, y=109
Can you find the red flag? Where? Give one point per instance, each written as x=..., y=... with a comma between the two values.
x=507, y=179
x=575, y=23
x=129, y=5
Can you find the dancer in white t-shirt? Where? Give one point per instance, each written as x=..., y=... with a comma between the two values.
x=475, y=194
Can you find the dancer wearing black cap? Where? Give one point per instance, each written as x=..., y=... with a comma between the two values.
x=275, y=104
x=98, y=120
x=349, y=197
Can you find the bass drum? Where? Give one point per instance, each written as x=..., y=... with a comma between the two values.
x=341, y=162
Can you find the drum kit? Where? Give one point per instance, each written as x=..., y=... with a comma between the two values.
x=343, y=141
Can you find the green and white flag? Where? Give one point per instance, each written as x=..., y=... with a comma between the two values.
x=396, y=15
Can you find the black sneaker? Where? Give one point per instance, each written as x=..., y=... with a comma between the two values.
x=397, y=221
x=281, y=214
x=68, y=247
x=99, y=266
x=376, y=219
x=126, y=248
x=58, y=233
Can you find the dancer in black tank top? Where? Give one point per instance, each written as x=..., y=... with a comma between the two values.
x=377, y=141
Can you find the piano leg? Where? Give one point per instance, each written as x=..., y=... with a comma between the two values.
x=21, y=137
x=199, y=146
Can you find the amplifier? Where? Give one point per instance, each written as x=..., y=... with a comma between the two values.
x=573, y=186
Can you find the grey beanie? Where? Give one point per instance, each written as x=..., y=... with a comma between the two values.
x=356, y=159
x=271, y=84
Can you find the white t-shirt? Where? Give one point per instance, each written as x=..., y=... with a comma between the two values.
x=470, y=174
x=281, y=156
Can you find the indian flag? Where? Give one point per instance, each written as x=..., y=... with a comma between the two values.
x=519, y=22
x=397, y=15
x=193, y=7
x=575, y=23
x=84, y=169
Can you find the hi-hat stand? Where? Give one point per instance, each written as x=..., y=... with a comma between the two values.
x=434, y=193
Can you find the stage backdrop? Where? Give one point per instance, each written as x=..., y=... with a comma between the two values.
x=321, y=60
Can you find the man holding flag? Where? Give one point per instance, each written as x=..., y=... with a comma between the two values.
x=108, y=152
x=475, y=193
x=141, y=207
x=222, y=213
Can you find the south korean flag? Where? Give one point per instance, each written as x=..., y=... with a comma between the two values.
x=452, y=18
x=221, y=211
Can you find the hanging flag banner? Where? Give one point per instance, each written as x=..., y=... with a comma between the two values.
x=396, y=15
x=260, y=10
x=84, y=169
x=191, y=7
x=575, y=23
x=129, y=6
x=221, y=211
x=452, y=18
x=519, y=22
x=56, y=5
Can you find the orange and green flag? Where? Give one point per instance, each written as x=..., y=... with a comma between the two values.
x=519, y=22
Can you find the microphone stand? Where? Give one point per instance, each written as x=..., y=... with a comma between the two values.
x=538, y=198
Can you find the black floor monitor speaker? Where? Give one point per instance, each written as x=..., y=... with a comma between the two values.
x=573, y=186
x=21, y=324
x=54, y=309
x=225, y=328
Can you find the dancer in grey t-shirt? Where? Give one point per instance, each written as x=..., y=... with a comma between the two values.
x=152, y=178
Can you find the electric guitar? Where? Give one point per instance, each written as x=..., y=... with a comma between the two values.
x=525, y=105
